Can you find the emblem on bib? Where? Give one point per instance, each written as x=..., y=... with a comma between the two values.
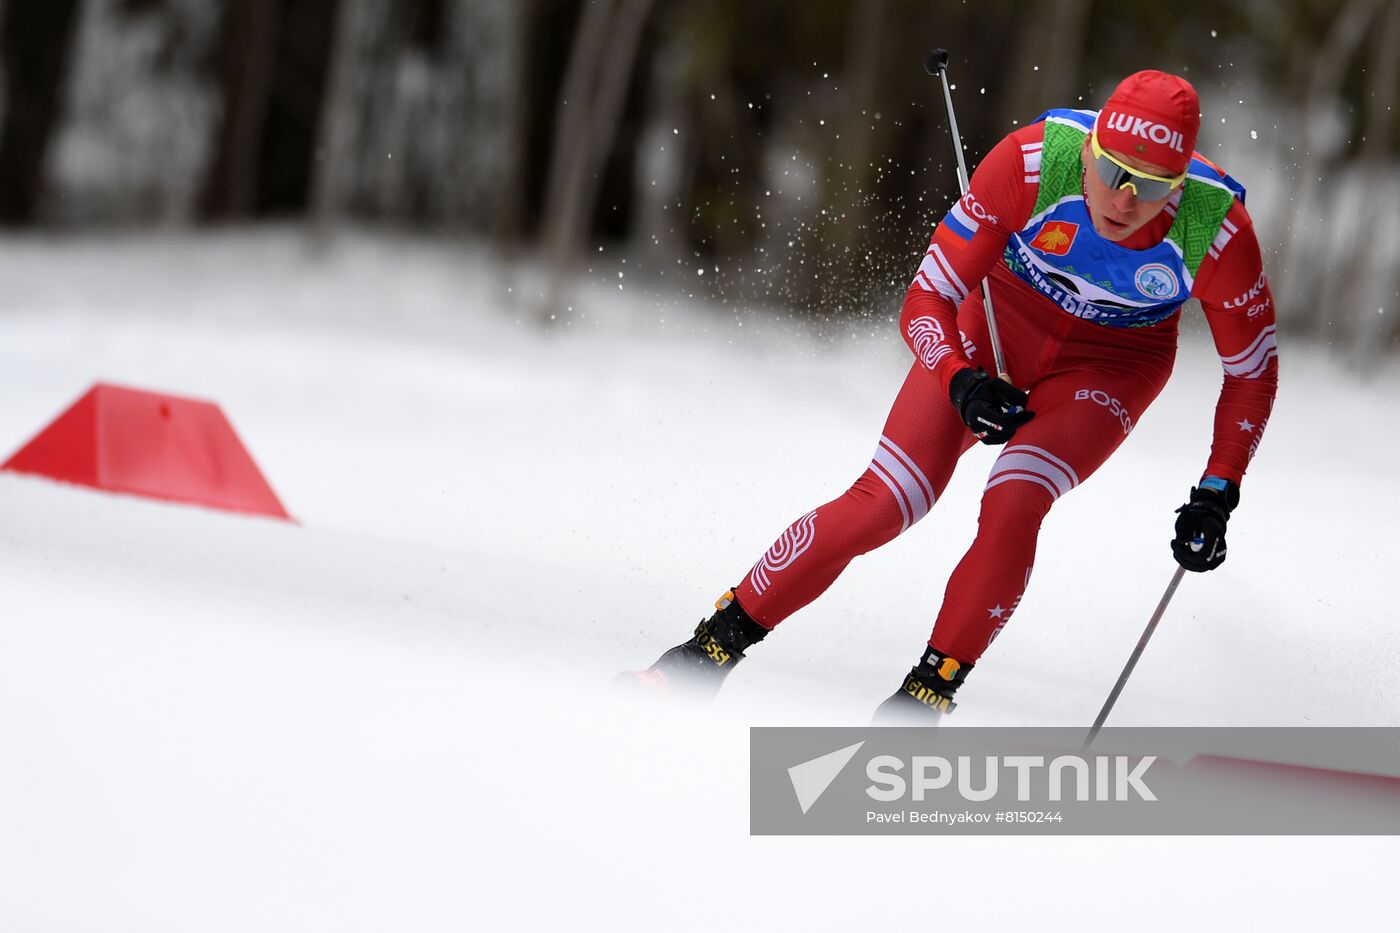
x=1157, y=282
x=1055, y=237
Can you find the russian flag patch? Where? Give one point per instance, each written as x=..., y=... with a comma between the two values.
x=960, y=223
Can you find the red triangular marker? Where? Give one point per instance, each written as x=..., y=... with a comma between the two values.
x=149, y=444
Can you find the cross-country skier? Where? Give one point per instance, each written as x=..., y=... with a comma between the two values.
x=1091, y=230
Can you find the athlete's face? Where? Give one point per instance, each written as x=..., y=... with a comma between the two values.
x=1118, y=214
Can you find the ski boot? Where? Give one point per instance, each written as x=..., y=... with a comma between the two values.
x=696, y=669
x=926, y=695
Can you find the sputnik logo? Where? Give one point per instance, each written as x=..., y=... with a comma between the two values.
x=811, y=778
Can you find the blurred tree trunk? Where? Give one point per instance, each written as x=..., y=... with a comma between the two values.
x=1383, y=87
x=867, y=34
x=727, y=167
x=508, y=226
x=591, y=101
x=36, y=41
x=411, y=79
x=1303, y=267
x=571, y=117
x=287, y=151
x=1380, y=158
x=333, y=135
x=273, y=69
x=1052, y=36
x=845, y=236
x=246, y=68
x=1374, y=279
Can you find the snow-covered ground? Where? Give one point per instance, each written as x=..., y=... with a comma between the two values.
x=392, y=715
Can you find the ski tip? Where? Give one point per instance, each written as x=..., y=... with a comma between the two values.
x=650, y=681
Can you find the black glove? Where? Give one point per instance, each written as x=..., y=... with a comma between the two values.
x=1199, y=544
x=992, y=408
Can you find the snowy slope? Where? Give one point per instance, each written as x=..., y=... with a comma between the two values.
x=391, y=715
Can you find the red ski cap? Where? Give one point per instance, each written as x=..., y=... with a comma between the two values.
x=1152, y=116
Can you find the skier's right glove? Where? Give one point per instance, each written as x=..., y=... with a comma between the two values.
x=992, y=408
x=1199, y=544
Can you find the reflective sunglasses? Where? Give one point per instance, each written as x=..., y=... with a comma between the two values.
x=1117, y=175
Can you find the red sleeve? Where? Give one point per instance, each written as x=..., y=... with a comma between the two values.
x=1234, y=293
x=966, y=245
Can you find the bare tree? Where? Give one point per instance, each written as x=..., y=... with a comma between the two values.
x=333, y=140
x=1374, y=277
x=509, y=223
x=867, y=32
x=247, y=61
x=591, y=100
x=1044, y=68
x=1329, y=67
x=36, y=40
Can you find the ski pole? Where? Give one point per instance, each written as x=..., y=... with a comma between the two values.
x=1137, y=653
x=937, y=65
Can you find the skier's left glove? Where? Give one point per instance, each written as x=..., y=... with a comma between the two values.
x=1199, y=544
x=993, y=408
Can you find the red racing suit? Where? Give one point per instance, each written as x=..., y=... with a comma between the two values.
x=1089, y=385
